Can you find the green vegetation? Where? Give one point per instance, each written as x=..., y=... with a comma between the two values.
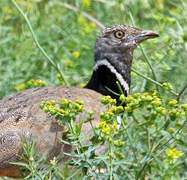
x=68, y=37
x=149, y=143
x=151, y=140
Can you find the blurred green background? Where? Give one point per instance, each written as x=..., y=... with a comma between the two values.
x=68, y=37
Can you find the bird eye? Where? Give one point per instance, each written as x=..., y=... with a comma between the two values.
x=119, y=34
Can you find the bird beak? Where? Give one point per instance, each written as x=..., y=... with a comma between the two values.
x=145, y=34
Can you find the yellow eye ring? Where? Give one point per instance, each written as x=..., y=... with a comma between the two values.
x=119, y=34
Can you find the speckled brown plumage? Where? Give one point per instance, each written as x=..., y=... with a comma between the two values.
x=21, y=117
x=20, y=114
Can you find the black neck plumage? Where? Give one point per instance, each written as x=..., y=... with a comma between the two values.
x=105, y=77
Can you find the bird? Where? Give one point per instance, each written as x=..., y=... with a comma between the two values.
x=20, y=114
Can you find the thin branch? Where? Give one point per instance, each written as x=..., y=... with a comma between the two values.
x=153, y=81
x=75, y=9
x=37, y=43
x=148, y=62
x=181, y=92
x=170, y=140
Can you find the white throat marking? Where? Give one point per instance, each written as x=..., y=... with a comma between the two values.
x=113, y=70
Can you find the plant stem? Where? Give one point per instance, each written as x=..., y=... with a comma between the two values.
x=181, y=92
x=78, y=141
x=111, y=162
x=92, y=127
x=119, y=87
x=140, y=172
x=148, y=62
x=112, y=91
x=86, y=15
x=153, y=81
x=38, y=44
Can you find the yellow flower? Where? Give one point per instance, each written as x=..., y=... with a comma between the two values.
x=130, y=99
x=20, y=87
x=82, y=20
x=115, y=125
x=119, y=143
x=152, y=126
x=174, y=153
x=106, y=130
x=79, y=101
x=102, y=124
x=7, y=9
x=30, y=6
x=147, y=98
x=52, y=102
x=82, y=85
x=93, y=25
x=172, y=103
x=76, y=54
x=40, y=82
x=175, y=113
x=120, y=155
x=108, y=100
x=35, y=83
x=87, y=2
x=87, y=29
x=128, y=109
x=168, y=86
x=156, y=102
x=122, y=98
x=137, y=95
x=184, y=106
x=64, y=101
x=161, y=110
x=171, y=130
x=90, y=113
x=69, y=63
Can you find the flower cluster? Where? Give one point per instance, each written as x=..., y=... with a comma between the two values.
x=108, y=125
x=152, y=101
x=59, y=77
x=88, y=27
x=76, y=54
x=173, y=154
x=172, y=103
x=168, y=86
x=106, y=100
x=184, y=107
x=35, y=83
x=175, y=111
x=111, y=113
x=30, y=84
x=153, y=105
x=25, y=5
x=69, y=63
x=20, y=87
x=63, y=111
x=87, y=2
x=108, y=129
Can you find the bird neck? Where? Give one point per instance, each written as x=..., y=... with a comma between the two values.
x=110, y=70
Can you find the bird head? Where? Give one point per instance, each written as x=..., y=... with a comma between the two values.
x=113, y=57
x=121, y=39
